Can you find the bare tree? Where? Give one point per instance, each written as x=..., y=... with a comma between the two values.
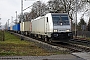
x=59, y=6
x=38, y=9
x=67, y=6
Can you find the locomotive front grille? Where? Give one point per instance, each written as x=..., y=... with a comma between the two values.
x=63, y=35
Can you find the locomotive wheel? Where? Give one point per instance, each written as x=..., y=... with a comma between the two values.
x=50, y=40
x=46, y=39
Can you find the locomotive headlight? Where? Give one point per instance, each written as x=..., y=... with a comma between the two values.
x=67, y=30
x=55, y=30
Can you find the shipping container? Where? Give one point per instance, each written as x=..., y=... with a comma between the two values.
x=25, y=26
x=8, y=28
x=16, y=27
x=11, y=27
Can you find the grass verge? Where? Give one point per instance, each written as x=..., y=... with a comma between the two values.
x=13, y=46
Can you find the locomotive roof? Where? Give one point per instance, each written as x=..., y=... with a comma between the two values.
x=46, y=14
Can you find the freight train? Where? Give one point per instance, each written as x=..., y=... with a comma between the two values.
x=52, y=27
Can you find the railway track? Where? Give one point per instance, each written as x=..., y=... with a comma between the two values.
x=71, y=47
x=81, y=42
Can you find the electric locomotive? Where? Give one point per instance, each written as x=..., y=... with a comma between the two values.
x=52, y=27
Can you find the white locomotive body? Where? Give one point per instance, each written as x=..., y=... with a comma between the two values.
x=52, y=27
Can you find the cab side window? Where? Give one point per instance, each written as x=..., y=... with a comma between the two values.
x=47, y=19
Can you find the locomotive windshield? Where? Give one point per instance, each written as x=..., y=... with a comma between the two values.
x=60, y=19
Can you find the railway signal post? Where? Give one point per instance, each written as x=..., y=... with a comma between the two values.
x=21, y=18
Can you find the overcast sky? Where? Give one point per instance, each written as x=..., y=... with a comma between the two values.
x=9, y=7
